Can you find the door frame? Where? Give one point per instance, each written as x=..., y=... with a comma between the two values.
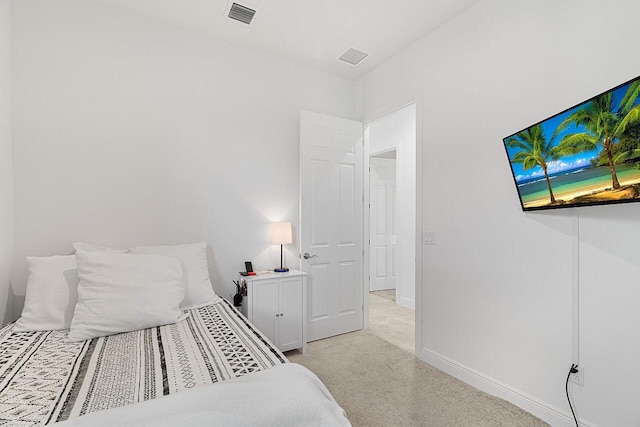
x=368, y=118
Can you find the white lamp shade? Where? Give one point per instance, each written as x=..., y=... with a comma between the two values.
x=281, y=233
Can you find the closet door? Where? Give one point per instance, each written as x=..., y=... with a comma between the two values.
x=383, y=239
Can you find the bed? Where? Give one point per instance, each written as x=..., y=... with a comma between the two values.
x=138, y=336
x=212, y=368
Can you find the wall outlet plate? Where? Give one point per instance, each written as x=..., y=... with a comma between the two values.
x=578, y=377
x=429, y=238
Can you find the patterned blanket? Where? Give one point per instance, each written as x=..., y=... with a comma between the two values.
x=44, y=380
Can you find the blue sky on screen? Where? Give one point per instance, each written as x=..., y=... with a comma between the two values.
x=566, y=163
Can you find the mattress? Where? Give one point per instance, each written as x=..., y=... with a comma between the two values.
x=44, y=380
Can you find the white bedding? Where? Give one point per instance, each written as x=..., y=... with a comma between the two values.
x=286, y=395
x=214, y=368
x=45, y=379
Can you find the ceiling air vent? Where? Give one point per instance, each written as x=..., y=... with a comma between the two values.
x=241, y=13
x=353, y=56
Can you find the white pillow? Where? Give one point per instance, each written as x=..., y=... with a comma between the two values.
x=81, y=246
x=193, y=257
x=51, y=294
x=121, y=293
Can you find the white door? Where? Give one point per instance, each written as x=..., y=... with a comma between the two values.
x=331, y=217
x=384, y=248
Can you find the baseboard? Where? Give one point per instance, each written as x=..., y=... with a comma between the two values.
x=406, y=302
x=543, y=410
x=374, y=289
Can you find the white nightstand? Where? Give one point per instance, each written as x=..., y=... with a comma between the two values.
x=276, y=304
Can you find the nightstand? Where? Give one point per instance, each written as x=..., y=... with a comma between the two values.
x=276, y=304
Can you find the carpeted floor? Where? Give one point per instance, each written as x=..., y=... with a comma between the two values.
x=391, y=321
x=380, y=384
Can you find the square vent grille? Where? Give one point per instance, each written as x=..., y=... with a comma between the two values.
x=241, y=13
x=353, y=56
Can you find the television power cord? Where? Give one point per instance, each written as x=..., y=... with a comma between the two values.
x=573, y=370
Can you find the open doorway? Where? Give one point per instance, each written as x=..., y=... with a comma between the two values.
x=391, y=141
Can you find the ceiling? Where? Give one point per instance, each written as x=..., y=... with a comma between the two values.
x=313, y=32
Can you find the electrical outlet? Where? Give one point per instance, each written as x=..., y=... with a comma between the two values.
x=578, y=377
x=429, y=238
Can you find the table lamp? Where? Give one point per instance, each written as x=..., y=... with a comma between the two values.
x=281, y=235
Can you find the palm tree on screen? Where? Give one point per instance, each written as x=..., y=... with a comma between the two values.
x=632, y=115
x=603, y=125
x=535, y=150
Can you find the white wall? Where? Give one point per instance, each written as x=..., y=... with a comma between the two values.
x=398, y=130
x=6, y=165
x=132, y=131
x=496, y=297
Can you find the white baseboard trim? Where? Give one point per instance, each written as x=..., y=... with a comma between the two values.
x=373, y=288
x=406, y=302
x=543, y=410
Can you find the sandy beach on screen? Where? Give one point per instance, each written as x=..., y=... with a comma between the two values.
x=594, y=193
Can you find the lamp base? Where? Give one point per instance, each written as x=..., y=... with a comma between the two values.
x=281, y=270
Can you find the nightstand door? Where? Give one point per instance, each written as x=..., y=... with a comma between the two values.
x=265, y=307
x=290, y=320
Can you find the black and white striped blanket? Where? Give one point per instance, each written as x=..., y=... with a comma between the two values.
x=44, y=380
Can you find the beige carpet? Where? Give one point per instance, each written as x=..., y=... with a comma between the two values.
x=391, y=321
x=379, y=384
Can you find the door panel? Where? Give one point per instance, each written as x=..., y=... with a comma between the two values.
x=264, y=312
x=319, y=203
x=380, y=267
x=380, y=209
x=319, y=292
x=346, y=297
x=346, y=204
x=289, y=328
x=331, y=193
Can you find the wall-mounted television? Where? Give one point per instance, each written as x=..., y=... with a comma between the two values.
x=588, y=154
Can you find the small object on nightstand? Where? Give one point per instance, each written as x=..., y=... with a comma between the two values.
x=237, y=298
x=249, y=267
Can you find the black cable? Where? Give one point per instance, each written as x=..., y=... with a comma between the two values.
x=573, y=370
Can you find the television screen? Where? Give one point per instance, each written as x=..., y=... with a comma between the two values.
x=586, y=155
